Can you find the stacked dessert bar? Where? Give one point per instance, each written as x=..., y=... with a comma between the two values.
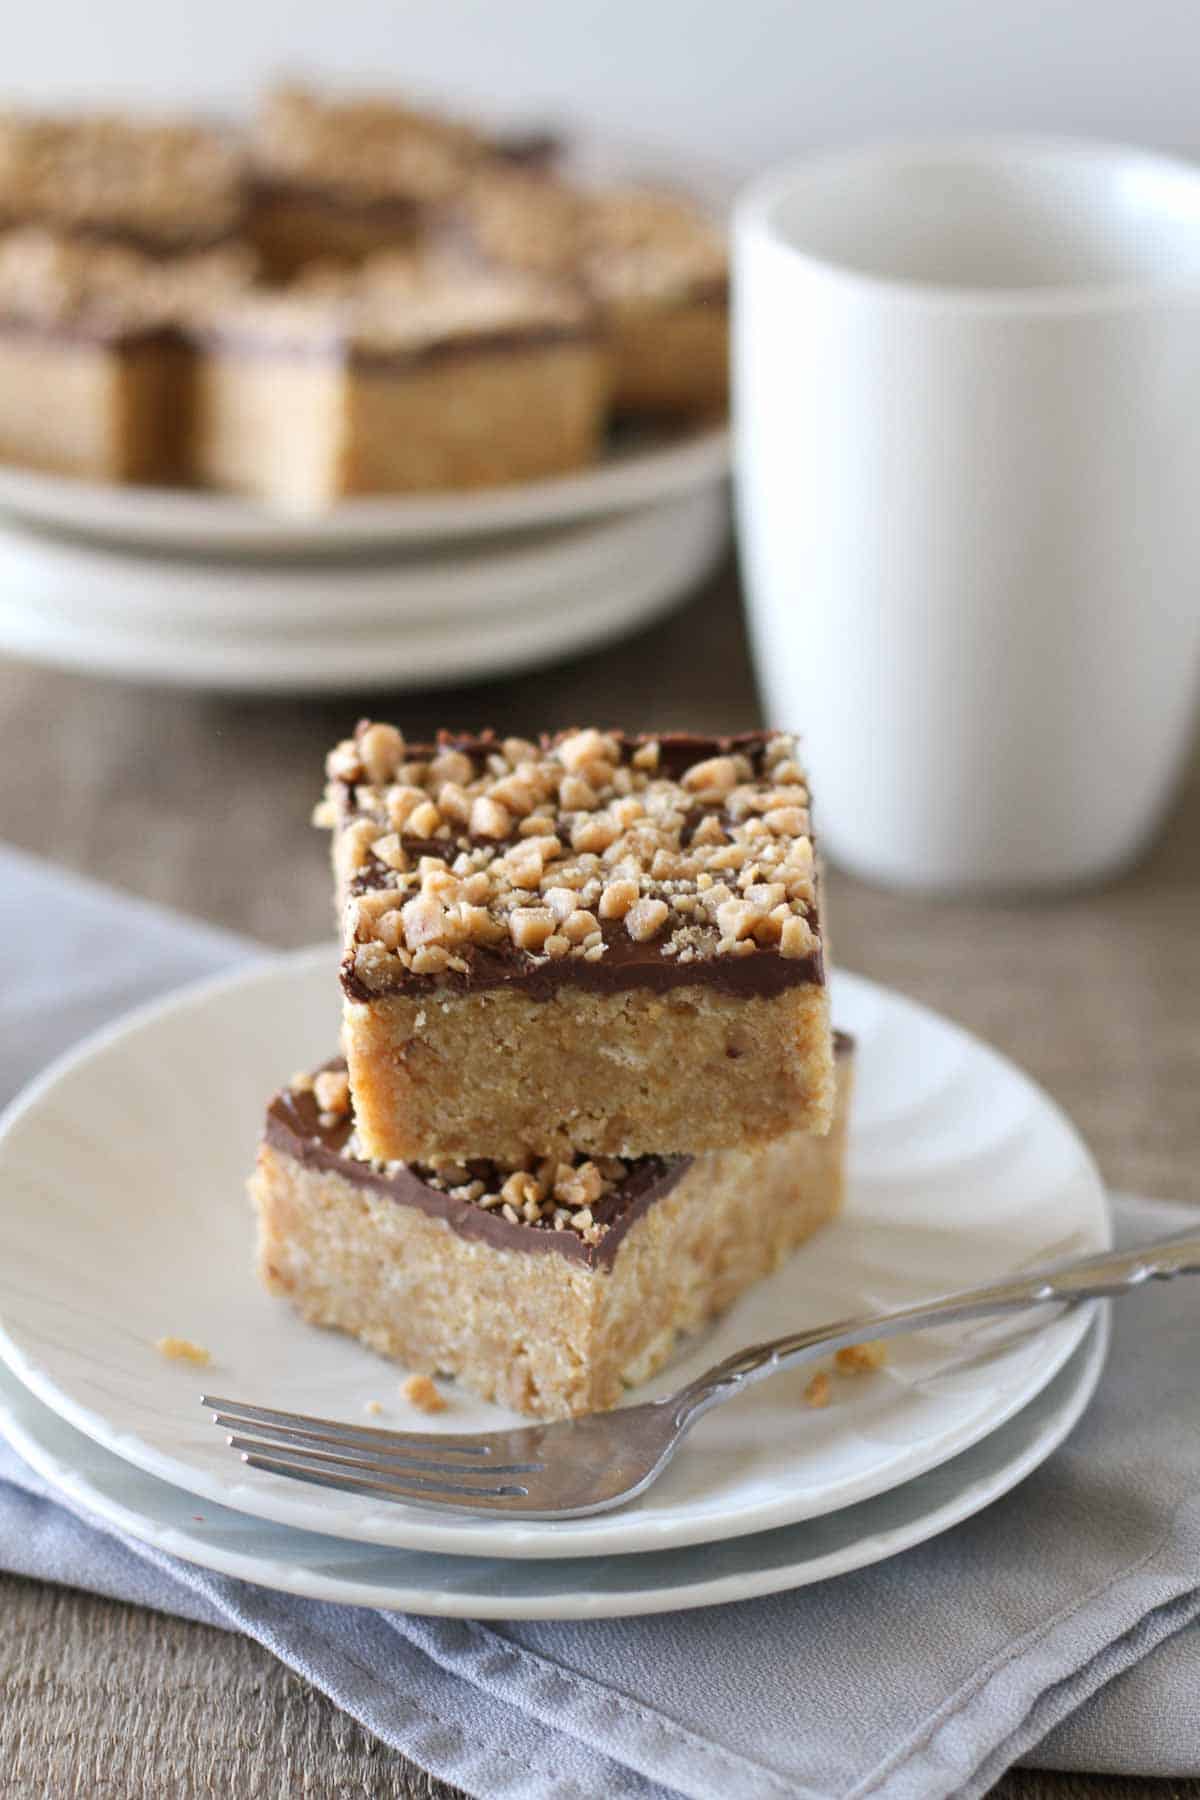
x=588, y=1092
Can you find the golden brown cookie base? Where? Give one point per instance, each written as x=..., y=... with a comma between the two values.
x=100, y=411
x=632, y=1073
x=307, y=431
x=670, y=360
x=542, y=1333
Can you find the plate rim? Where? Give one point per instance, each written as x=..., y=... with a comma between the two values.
x=1089, y=1358
x=399, y=654
x=191, y=521
x=427, y=1528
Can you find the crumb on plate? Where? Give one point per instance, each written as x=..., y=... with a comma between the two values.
x=179, y=1349
x=420, y=1392
x=860, y=1359
x=818, y=1391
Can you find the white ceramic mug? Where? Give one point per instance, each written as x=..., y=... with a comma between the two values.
x=967, y=406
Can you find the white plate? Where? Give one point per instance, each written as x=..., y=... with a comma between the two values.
x=484, y=579
x=317, y=629
x=123, y=1167
x=469, y=1587
x=151, y=518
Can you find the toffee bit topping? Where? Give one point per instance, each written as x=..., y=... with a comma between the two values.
x=170, y=184
x=552, y=1193
x=566, y=849
x=363, y=147
x=536, y=1194
x=48, y=279
x=643, y=243
x=401, y=304
x=331, y=1090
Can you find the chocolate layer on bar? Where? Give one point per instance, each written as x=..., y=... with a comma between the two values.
x=691, y=858
x=297, y=1126
x=395, y=313
x=163, y=188
x=53, y=285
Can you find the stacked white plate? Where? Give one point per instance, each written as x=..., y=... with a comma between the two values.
x=125, y=1219
x=209, y=591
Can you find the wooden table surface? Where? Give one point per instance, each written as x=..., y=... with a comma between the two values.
x=203, y=804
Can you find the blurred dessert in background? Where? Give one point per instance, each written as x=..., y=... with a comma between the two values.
x=404, y=376
x=409, y=303
x=652, y=262
x=345, y=177
x=657, y=270
x=159, y=186
x=94, y=353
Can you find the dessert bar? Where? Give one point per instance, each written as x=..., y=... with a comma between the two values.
x=395, y=379
x=163, y=188
x=93, y=367
x=597, y=943
x=549, y=1288
x=654, y=265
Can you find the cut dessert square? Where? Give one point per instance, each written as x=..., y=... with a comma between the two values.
x=92, y=361
x=405, y=376
x=601, y=943
x=548, y=1289
x=654, y=265
x=657, y=270
x=162, y=187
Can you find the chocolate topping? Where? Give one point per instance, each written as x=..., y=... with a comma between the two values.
x=293, y=1125
x=625, y=965
x=626, y=962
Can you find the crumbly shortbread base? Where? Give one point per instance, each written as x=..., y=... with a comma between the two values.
x=535, y=1330
x=632, y=1073
x=670, y=359
x=308, y=431
x=93, y=410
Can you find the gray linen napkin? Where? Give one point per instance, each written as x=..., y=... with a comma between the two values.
x=1061, y=1625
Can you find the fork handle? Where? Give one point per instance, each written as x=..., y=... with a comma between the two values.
x=1086, y=1278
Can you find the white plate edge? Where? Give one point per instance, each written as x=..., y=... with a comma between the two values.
x=724, y=1590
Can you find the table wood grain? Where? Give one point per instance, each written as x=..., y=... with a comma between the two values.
x=203, y=804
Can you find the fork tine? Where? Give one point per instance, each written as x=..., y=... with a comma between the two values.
x=236, y=1413
x=372, y=1445
x=356, y=1456
x=384, y=1487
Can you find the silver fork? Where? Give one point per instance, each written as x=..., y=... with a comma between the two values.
x=573, y=1467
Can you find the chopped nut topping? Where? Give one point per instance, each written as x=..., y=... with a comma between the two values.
x=164, y=185
x=48, y=279
x=646, y=919
x=364, y=146
x=331, y=1089
x=567, y=849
